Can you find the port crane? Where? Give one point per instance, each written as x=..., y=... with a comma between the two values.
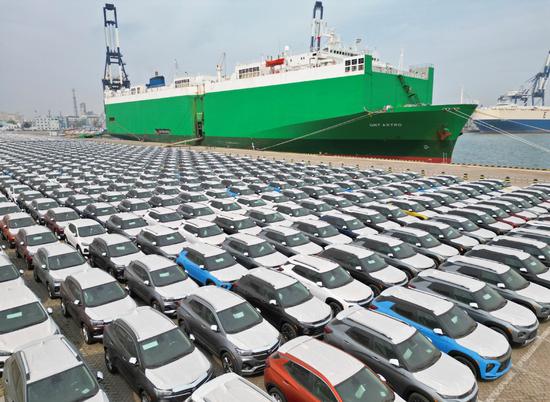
x=536, y=89
x=115, y=76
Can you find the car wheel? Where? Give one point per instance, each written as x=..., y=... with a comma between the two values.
x=503, y=333
x=276, y=394
x=375, y=290
x=35, y=276
x=415, y=397
x=17, y=253
x=92, y=262
x=64, y=309
x=335, y=307
x=29, y=265
x=228, y=363
x=144, y=396
x=51, y=293
x=87, y=335
x=468, y=363
x=288, y=332
x=109, y=363
x=156, y=305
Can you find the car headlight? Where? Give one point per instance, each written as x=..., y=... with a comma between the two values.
x=163, y=392
x=243, y=352
x=4, y=353
x=57, y=284
x=96, y=323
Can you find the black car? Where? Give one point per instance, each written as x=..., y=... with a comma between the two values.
x=126, y=224
x=113, y=253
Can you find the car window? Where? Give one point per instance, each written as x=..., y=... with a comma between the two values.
x=14, y=374
x=383, y=348
x=207, y=315
x=426, y=319
x=405, y=310
x=360, y=336
x=127, y=342
x=462, y=296
x=140, y=273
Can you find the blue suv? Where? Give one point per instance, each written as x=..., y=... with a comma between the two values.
x=210, y=265
x=484, y=351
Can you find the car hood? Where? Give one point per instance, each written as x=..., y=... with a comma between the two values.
x=65, y=223
x=353, y=292
x=485, y=342
x=174, y=224
x=133, y=232
x=213, y=240
x=230, y=274
x=180, y=374
x=388, y=225
x=390, y=275
x=59, y=275
x=307, y=249
x=545, y=275
x=366, y=231
x=313, y=310
x=173, y=249
x=515, y=315
x=484, y=233
x=466, y=241
x=407, y=219
x=127, y=259
x=275, y=259
x=253, y=230
x=259, y=338
x=338, y=239
x=444, y=250
x=11, y=341
x=447, y=377
x=442, y=209
x=111, y=311
x=177, y=290
x=501, y=226
x=535, y=292
x=419, y=261
x=514, y=220
x=526, y=214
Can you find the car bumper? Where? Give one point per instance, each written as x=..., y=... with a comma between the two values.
x=495, y=368
x=524, y=336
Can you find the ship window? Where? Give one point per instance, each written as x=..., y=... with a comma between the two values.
x=348, y=62
x=354, y=61
x=182, y=83
x=361, y=60
x=360, y=67
x=111, y=119
x=353, y=68
x=347, y=69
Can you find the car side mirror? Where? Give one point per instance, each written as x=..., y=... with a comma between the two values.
x=417, y=244
x=319, y=283
x=201, y=266
x=103, y=254
x=382, y=378
x=441, y=236
x=43, y=266
x=394, y=362
x=245, y=253
x=231, y=227
x=390, y=254
x=438, y=331
x=146, y=282
x=99, y=376
x=501, y=285
x=49, y=310
x=21, y=243
x=21, y=271
x=460, y=229
x=524, y=270
x=76, y=302
x=316, y=234
x=133, y=361
x=214, y=327
x=273, y=302
x=344, y=227
x=542, y=257
x=154, y=243
x=474, y=305
x=479, y=221
x=358, y=267
x=283, y=243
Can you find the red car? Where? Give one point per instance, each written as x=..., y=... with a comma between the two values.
x=308, y=370
x=56, y=219
x=11, y=223
x=28, y=240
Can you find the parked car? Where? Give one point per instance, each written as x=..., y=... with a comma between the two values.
x=289, y=241
x=99, y=211
x=93, y=299
x=466, y=227
x=29, y=239
x=265, y=217
x=82, y=232
x=9, y=274
x=216, y=390
x=482, y=219
x=253, y=251
x=199, y=230
x=136, y=206
x=164, y=216
x=126, y=224
x=321, y=232
x=371, y=218
x=113, y=253
x=12, y=223
x=392, y=213
x=79, y=202
x=423, y=242
x=229, y=328
x=234, y=223
x=538, y=249
x=38, y=208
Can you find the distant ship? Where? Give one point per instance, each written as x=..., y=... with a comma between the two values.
x=513, y=114
x=333, y=99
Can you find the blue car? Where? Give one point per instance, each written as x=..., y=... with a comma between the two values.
x=210, y=265
x=486, y=352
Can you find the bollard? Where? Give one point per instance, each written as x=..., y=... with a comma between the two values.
x=507, y=180
x=465, y=176
x=535, y=180
x=423, y=172
x=389, y=169
x=481, y=177
x=443, y=172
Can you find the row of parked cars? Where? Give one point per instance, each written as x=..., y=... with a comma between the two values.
x=426, y=281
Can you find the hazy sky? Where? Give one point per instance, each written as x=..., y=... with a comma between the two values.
x=49, y=47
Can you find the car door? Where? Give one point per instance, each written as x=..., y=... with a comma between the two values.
x=309, y=278
x=71, y=235
x=139, y=286
x=305, y=386
x=102, y=256
x=73, y=293
x=126, y=349
x=15, y=384
x=261, y=294
x=204, y=318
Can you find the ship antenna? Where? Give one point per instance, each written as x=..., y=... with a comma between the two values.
x=315, y=44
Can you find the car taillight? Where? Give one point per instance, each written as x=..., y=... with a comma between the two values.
x=411, y=286
x=373, y=307
x=327, y=330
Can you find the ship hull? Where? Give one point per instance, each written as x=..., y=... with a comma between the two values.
x=512, y=126
x=513, y=119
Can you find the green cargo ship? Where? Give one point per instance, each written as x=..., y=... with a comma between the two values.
x=333, y=99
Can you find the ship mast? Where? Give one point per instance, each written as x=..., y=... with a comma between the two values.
x=315, y=44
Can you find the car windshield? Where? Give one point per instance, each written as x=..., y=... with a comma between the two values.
x=343, y=203
x=20, y=317
x=534, y=266
x=244, y=223
x=8, y=273
x=170, y=239
x=219, y=261
x=20, y=222
x=486, y=218
x=335, y=278
x=293, y=295
x=41, y=238
x=115, y=197
x=239, y=318
x=92, y=230
x=169, y=217
x=364, y=386
x=256, y=203
x=417, y=353
x=489, y=299
x=63, y=261
x=295, y=240
x=513, y=280
x=103, y=294
x=456, y=323
x=202, y=211
x=139, y=206
x=451, y=233
x=46, y=205
x=469, y=226
x=167, y=202
x=377, y=218
x=208, y=231
x=327, y=231
x=105, y=211
x=513, y=208
x=397, y=213
x=165, y=348
x=66, y=216
x=324, y=207
x=416, y=207
x=76, y=383
x=428, y=241
x=260, y=249
x=372, y=263
x=167, y=276
x=133, y=223
x=122, y=249
x=354, y=224
x=198, y=198
x=297, y=212
x=274, y=217
x=402, y=251
x=230, y=207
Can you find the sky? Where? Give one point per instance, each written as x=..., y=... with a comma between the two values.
x=49, y=47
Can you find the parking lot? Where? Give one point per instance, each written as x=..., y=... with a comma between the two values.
x=527, y=380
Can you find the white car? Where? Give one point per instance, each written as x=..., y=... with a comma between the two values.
x=293, y=212
x=203, y=231
x=82, y=232
x=164, y=216
x=227, y=205
x=329, y=282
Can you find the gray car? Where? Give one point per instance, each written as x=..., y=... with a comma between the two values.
x=412, y=365
x=509, y=283
x=159, y=282
x=485, y=305
x=161, y=240
x=253, y=251
x=289, y=241
x=157, y=360
x=230, y=328
x=27, y=378
x=216, y=390
x=113, y=253
x=126, y=224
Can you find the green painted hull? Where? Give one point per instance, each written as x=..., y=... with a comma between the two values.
x=343, y=115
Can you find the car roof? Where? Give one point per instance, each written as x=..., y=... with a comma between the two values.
x=318, y=223
x=429, y=222
x=494, y=266
x=413, y=231
x=126, y=215
x=38, y=357
x=199, y=223
x=16, y=295
x=455, y=218
x=162, y=210
x=525, y=240
x=206, y=250
x=473, y=285
x=277, y=279
x=246, y=238
x=17, y=215
x=219, y=298
x=284, y=230
x=57, y=249
x=154, y=262
x=317, y=263
x=390, y=241
x=158, y=229
x=331, y=362
x=113, y=238
x=230, y=387
x=34, y=229
x=358, y=251
x=147, y=322
x=80, y=223
x=393, y=329
x=436, y=304
x=92, y=277
x=504, y=250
